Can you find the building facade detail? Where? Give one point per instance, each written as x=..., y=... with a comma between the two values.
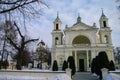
x=81, y=41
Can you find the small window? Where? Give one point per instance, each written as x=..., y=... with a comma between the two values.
x=104, y=24
x=105, y=39
x=57, y=27
x=56, y=40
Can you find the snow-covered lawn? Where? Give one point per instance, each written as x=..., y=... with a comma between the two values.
x=112, y=76
x=57, y=77
x=117, y=70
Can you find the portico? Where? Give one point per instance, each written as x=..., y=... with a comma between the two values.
x=82, y=60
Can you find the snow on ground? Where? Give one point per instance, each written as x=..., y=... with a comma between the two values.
x=112, y=76
x=117, y=70
x=57, y=77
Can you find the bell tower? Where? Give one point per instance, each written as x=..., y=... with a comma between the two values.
x=103, y=20
x=57, y=33
x=105, y=31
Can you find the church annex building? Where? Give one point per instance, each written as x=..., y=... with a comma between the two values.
x=81, y=41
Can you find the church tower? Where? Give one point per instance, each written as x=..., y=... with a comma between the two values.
x=105, y=31
x=57, y=34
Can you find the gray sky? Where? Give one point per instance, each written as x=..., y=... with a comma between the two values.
x=90, y=12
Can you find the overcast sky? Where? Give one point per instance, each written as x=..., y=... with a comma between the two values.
x=90, y=12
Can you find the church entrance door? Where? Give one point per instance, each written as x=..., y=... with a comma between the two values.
x=81, y=64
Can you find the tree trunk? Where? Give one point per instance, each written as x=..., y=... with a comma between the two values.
x=19, y=60
x=18, y=65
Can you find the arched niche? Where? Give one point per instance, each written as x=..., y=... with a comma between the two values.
x=81, y=40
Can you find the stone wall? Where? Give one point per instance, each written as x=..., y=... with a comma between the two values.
x=35, y=73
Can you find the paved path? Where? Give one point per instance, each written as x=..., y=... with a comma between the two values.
x=84, y=76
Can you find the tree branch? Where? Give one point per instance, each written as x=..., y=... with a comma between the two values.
x=18, y=30
x=19, y=5
x=32, y=40
x=12, y=43
x=9, y=3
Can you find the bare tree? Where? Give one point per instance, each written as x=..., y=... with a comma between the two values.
x=24, y=6
x=7, y=29
x=20, y=47
x=21, y=10
x=18, y=11
x=117, y=57
x=118, y=6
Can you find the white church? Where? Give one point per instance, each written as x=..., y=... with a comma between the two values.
x=81, y=41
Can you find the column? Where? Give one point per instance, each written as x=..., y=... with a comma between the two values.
x=111, y=56
x=87, y=55
x=76, y=60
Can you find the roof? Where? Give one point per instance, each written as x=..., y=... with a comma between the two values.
x=80, y=26
x=57, y=18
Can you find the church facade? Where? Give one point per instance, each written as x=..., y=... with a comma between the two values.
x=81, y=41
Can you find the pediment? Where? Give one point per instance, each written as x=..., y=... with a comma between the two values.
x=80, y=26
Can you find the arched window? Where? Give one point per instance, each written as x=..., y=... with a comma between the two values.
x=57, y=28
x=105, y=39
x=104, y=24
x=56, y=40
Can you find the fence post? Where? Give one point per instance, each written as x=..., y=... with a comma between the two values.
x=68, y=72
x=104, y=72
x=30, y=66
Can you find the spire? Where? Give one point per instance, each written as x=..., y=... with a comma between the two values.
x=79, y=18
x=103, y=15
x=57, y=14
x=57, y=18
x=78, y=14
x=102, y=11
